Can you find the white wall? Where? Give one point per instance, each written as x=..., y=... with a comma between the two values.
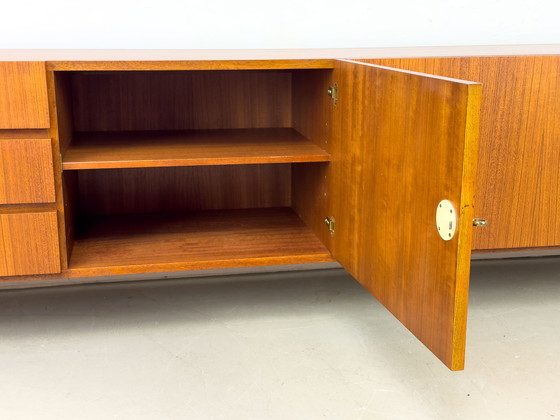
x=269, y=24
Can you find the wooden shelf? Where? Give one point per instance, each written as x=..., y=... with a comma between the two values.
x=138, y=149
x=129, y=244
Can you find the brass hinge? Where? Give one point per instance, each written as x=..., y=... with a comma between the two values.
x=329, y=221
x=333, y=93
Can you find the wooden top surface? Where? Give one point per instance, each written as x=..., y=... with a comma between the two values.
x=61, y=55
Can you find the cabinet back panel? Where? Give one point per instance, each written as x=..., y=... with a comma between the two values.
x=146, y=190
x=105, y=101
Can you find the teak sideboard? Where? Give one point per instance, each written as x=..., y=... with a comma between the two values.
x=134, y=162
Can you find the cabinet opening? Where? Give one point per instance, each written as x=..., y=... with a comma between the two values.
x=123, y=119
x=178, y=170
x=179, y=218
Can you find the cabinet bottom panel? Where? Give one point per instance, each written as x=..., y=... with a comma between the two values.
x=156, y=242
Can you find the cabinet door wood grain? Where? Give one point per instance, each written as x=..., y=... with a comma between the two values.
x=29, y=244
x=23, y=95
x=402, y=142
x=26, y=167
x=518, y=180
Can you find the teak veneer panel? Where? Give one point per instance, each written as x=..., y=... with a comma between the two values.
x=128, y=244
x=313, y=117
x=402, y=142
x=23, y=95
x=174, y=100
x=190, y=148
x=518, y=181
x=196, y=188
x=60, y=96
x=191, y=65
x=29, y=244
x=26, y=169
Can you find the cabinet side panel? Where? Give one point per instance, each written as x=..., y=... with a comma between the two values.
x=518, y=181
x=62, y=104
x=29, y=244
x=70, y=193
x=60, y=94
x=403, y=144
x=312, y=116
x=23, y=95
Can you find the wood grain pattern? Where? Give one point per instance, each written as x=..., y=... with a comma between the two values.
x=62, y=131
x=23, y=95
x=402, y=142
x=71, y=203
x=26, y=167
x=181, y=241
x=518, y=181
x=134, y=149
x=62, y=108
x=190, y=65
x=29, y=244
x=170, y=100
x=312, y=116
x=465, y=226
x=118, y=191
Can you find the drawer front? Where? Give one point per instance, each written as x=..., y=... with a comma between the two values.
x=23, y=95
x=26, y=169
x=29, y=244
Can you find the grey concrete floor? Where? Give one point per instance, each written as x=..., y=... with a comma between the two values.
x=304, y=345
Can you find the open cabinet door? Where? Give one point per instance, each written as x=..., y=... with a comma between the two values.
x=401, y=143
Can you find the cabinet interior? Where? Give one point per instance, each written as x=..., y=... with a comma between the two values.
x=192, y=169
